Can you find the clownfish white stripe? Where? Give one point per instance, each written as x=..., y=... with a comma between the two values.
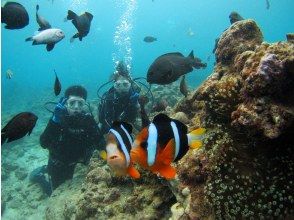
x=122, y=144
x=152, y=144
x=127, y=133
x=177, y=138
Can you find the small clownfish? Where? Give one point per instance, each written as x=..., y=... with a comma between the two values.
x=164, y=141
x=117, y=154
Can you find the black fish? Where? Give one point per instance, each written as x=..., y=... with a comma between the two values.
x=169, y=67
x=20, y=125
x=57, y=85
x=82, y=24
x=184, y=87
x=267, y=4
x=234, y=17
x=150, y=39
x=41, y=21
x=14, y=15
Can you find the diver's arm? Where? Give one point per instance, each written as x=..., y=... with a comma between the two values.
x=49, y=138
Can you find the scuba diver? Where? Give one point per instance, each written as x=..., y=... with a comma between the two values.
x=120, y=102
x=71, y=136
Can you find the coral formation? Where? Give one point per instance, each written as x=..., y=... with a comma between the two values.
x=246, y=168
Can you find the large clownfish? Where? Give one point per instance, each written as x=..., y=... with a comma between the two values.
x=164, y=141
x=119, y=143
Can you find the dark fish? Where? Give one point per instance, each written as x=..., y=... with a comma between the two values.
x=159, y=106
x=150, y=39
x=82, y=24
x=41, y=21
x=143, y=100
x=267, y=4
x=169, y=67
x=184, y=87
x=14, y=15
x=234, y=17
x=57, y=85
x=20, y=125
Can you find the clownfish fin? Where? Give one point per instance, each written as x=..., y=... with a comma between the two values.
x=166, y=171
x=103, y=155
x=195, y=138
x=198, y=131
x=138, y=155
x=196, y=144
x=166, y=156
x=143, y=135
x=133, y=172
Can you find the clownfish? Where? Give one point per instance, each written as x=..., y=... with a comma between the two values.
x=119, y=143
x=164, y=141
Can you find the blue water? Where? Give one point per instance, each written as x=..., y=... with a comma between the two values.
x=91, y=61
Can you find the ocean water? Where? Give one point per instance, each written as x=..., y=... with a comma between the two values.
x=116, y=33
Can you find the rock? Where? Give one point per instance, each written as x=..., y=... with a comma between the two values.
x=239, y=37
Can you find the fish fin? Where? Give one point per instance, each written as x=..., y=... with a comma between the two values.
x=71, y=15
x=167, y=154
x=29, y=39
x=166, y=171
x=103, y=155
x=169, y=54
x=195, y=138
x=161, y=118
x=196, y=144
x=80, y=38
x=50, y=47
x=35, y=43
x=198, y=131
x=191, y=54
x=37, y=7
x=139, y=155
x=143, y=135
x=73, y=37
x=133, y=172
x=89, y=15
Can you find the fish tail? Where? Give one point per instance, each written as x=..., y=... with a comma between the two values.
x=29, y=39
x=195, y=138
x=71, y=15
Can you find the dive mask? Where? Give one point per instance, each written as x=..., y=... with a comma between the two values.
x=75, y=103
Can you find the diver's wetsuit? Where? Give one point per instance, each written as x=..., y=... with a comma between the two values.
x=70, y=142
x=115, y=108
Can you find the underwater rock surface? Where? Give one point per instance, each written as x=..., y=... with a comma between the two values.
x=246, y=167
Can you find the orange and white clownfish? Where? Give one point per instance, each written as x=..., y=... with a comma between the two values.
x=119, y=143
x=164, y=141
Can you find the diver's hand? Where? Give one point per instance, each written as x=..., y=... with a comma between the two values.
x=59, y=111
x=134, y=97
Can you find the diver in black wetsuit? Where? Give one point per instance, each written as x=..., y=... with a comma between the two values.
x=70, y=136
x=120, y=102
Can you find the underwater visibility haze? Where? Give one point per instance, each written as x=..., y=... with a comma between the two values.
x=220, y=105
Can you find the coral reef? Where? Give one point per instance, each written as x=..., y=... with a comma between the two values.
x=245, y=169
x=105, y=196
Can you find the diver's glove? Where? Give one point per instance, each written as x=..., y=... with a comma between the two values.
x=59, y=111
x=134, y=97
